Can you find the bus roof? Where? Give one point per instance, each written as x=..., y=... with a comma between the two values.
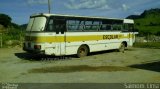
x=90, y=17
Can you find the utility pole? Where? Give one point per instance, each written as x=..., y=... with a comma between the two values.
x=49, y=6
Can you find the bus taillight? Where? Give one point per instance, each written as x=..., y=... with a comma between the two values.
x=37, y=46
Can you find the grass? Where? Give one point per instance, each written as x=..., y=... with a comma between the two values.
x=148, y=45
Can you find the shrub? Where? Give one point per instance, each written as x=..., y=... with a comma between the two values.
x=147, y=45
x=13, y=37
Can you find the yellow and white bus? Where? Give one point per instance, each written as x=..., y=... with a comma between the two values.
x=58, y=35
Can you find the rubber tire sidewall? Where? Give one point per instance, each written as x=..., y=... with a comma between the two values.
x=86, y=51
x=122, y=47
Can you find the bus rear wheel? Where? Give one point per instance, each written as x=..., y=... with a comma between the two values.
x=121, y=47
x=82, y=51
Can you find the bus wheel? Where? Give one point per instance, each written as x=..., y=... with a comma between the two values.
x=82, y=51
x=121, y=47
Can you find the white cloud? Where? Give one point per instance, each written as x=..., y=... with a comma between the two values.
x=105, y=7
x=87, y=4
x=31, y=2
x=125, y=7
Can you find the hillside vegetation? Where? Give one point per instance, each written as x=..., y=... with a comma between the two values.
x=12, y=34
x=148, y=22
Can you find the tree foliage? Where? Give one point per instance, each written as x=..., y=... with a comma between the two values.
x=5, y=20
x=148, y=22
x=150, y=13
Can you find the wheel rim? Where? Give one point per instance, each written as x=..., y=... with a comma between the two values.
x=122, y=47
x=82, y=51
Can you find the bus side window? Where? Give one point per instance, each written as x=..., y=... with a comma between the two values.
x=81, y=25
x=131, y=27
x=125, y=28
x=88, y=25
x=60, y=26
x=117, y=27
x=103, y=27
x=50, y=25
x=106, y=27
x=128, y=27
x=96, y=25
x=72, y=25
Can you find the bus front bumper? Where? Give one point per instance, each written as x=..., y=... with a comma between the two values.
x=36, y=51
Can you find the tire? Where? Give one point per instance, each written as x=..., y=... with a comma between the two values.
x=121, y=48
x=82, y=51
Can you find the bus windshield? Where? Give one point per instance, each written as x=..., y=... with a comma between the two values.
x=36, y=24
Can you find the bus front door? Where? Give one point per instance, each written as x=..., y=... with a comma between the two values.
x=60, y=27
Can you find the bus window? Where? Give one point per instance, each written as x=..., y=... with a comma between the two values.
x=103, y=27
x=106, y=27
x=59, y=25
x=81, y=25
x=88, y=25
x=128, y=27
x=117, y=27
x=125, y=28
x=29, y=27
x=50, y=27
x=72, y=25
x=36, y=24
x=96, y=25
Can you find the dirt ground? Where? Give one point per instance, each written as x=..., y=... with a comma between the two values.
x=135, y=65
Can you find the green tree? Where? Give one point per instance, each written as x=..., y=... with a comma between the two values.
x=5, y=20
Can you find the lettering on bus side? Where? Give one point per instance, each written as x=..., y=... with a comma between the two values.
x=110, y=37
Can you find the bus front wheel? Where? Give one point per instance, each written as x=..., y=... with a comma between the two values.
x=82, y=51
x=121, y=47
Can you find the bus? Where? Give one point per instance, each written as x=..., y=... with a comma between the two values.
x=59, y=35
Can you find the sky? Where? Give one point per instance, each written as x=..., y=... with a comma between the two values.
x=20, y=10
